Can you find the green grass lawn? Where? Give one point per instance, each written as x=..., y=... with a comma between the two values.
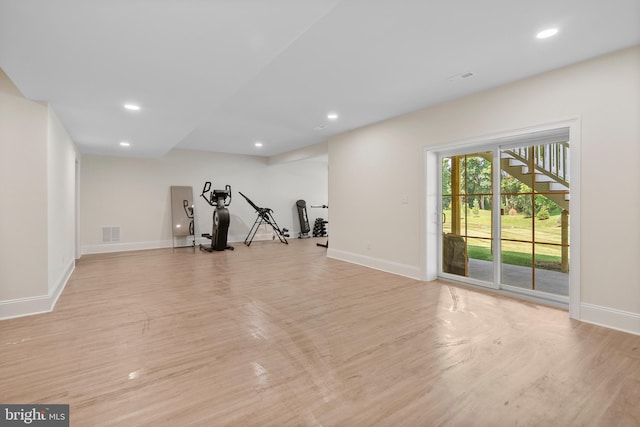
x=545, y=262
x=516, y=227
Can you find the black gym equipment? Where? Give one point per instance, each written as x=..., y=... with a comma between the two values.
x=219, y=199
x=264, y=217
x=320, y=227
x=304, y=220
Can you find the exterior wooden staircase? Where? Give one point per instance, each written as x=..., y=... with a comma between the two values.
x=549, y=165
x=548, y=162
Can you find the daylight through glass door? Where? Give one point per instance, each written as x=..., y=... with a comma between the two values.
x=532, y=224
x=534, y=183
x=467, y=194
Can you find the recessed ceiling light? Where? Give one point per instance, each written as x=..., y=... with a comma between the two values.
x=332, y=116
x=132, y=107
x=258, y=144
x=124, y=144
x=550, y=32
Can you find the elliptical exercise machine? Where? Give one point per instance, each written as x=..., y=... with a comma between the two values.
x=219, y=199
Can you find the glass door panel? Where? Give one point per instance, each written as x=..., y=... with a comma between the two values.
x=534, y=228
x=467, y=216
x=532, y=224
x=517, y=250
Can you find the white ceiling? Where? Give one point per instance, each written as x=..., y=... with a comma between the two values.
x=219, y=75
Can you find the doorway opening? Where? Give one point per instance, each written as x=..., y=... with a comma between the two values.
x=504, y=214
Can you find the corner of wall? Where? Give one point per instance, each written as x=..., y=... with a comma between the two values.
x=38, y=304
x=7, y=86
x=405, y=270
x=315, y=150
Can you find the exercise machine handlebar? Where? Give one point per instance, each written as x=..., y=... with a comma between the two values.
x=216, y=196
x=205, y=190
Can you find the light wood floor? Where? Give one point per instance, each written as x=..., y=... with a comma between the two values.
x=280, y=335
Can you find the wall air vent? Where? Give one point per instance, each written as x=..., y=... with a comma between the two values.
x=460, y=76
x=110, y=234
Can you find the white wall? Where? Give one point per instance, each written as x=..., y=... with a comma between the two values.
x=37, y=204
x=134, y=194
x=61, y=179
x=305, y=179
x=23, y=197
x=381, y=162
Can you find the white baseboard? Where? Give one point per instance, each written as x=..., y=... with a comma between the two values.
x=61, y=283
x=104, y=248
x=624, y=321
x=36, y=305
x=24, y=307
x=405, y=270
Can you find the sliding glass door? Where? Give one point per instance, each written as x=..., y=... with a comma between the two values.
x=505, y=216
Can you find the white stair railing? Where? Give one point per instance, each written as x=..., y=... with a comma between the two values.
x=549, y=159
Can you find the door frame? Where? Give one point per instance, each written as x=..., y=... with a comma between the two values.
x=432, y=187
